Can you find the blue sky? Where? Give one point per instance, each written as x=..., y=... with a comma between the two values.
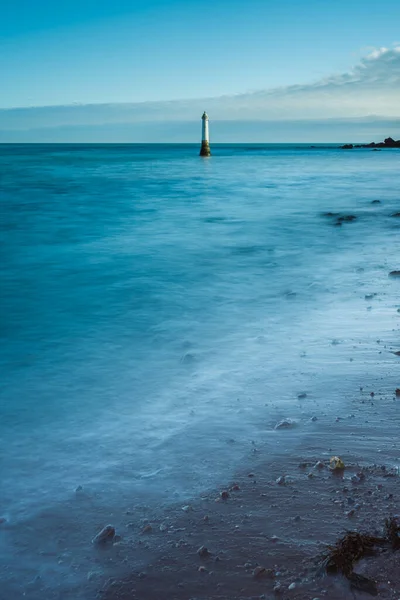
x=144, y=70
x=91, y=51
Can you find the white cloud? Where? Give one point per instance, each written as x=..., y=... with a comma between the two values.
x=371, y=87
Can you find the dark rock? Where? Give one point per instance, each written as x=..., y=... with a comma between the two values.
x=375, y=202
x=107, y=534
x=203, y=552
x=394, y=274
x=347, y=218
x=387, y=143
x=396, y=214
x=224, y=495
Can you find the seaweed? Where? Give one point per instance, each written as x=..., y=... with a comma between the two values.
x=392, y=529
x=349, y=549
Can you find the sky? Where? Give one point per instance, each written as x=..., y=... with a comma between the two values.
x=107, y=62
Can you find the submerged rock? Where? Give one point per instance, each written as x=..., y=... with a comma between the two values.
x=394, y=273
x=107, y=534
x=285, y=424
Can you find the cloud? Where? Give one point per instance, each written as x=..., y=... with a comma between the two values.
x=371, y=87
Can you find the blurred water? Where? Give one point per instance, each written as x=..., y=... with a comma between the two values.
x=156, y=306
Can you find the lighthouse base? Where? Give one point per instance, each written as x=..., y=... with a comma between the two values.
x=205, y=149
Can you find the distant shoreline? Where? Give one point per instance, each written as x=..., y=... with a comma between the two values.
x=387, y=143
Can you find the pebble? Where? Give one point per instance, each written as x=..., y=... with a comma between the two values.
x=281, y=480
x=163, y=527
x=203, y=552
x=147, y=529
x=105, y=535
x=202, y=570
x=292, y=586
x=259, y=572
x=285, y=424
x=350, y=513
x=278, y=589
x=187, y=508
x=224, y=495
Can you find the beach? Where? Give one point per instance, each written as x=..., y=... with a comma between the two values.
x=188, y=344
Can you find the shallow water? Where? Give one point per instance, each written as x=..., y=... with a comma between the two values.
x=160, y=311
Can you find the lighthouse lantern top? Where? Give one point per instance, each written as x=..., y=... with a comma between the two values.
x=205, y=116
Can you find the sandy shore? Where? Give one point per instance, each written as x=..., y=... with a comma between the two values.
x=280, y=525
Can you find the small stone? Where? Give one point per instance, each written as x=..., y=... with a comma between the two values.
x=163, y=527
x=259, y=572
x=147, y=529
x=336, y=463
x=105, y=535
x=278, y=589
x=202, y=569
x=350, y=513
x=281, y=480
x=397, y=392
x=302, y=396
x=285, y=424
x=79, y=489
x=203, y=552
x=319, y=465
x=224, y=495
x=292, y=586
x=235, y=488
x=313, y=419
x=187, y=508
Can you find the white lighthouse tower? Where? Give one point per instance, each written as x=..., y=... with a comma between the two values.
x=205, y=138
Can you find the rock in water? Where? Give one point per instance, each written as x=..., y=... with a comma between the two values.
x=107, y=534
x=285, y=424
x=394, y=274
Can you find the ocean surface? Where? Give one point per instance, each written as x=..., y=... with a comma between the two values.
x=160, y=312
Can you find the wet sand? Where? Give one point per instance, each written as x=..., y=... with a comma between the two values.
x=282, y=526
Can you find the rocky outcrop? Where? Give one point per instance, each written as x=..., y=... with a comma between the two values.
x=387, y=143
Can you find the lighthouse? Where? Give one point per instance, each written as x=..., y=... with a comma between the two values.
x=205, y=139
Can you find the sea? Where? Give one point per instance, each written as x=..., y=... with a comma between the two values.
x=160, y=313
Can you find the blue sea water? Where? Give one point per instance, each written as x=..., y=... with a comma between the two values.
x=159, y=312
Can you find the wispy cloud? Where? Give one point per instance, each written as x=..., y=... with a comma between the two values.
x=371, y=87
